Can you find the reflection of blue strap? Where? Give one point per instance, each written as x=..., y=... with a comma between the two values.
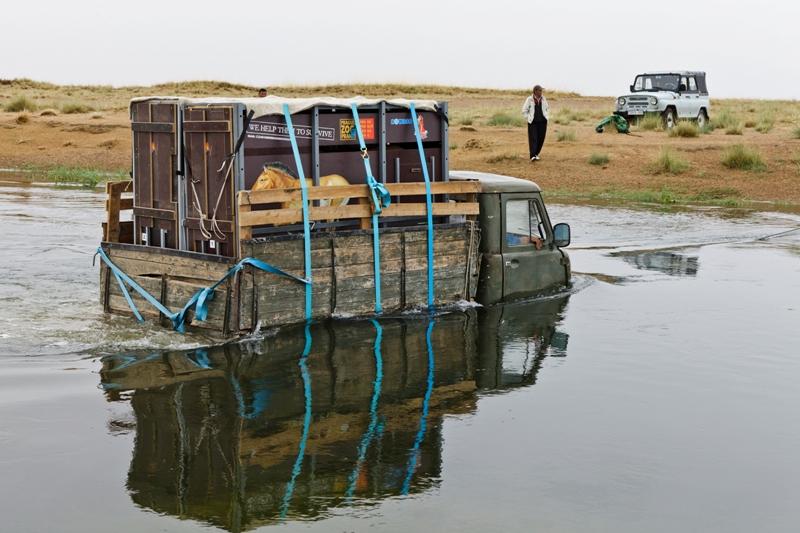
x=304, y=194
x=428, y=205
x=199, y=299
x=371, y=433
x=301, y=452
x=423, y=420
x=376, y=190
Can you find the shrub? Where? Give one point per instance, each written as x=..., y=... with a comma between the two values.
x=734, y=129
x=505, y=119
x=796, y=133
x=23, y=118
x=651, y=122
x=765, y=123
x=566, y=136
x=740, y=157
x=598, y=159
x=750, y=123
x=684, y=128
x=20, y=103
x=502, y=158
x=724, y=119
x=74, y=108
x=669, y=163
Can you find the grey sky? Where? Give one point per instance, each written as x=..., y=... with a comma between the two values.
x=749, y=49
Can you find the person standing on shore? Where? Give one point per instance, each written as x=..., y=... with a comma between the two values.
x=536, y=110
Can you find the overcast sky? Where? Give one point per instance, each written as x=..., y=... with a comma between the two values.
x=749, y=49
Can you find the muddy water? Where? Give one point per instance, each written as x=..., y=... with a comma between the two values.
x=659, y=394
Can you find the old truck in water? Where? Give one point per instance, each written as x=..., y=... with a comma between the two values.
x=235, y=224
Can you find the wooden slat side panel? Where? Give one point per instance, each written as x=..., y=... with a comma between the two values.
x=280, y=217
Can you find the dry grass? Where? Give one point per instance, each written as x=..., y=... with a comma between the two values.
x=650, y=122
x=684, y=128
x=20, y=103
x=72, y=140
x=75, y=107
x=23, y=118
x=668, y=162
x=739, y=157
x=504, y=119
x=599, y=159
x=568, y=136
x=734, y=129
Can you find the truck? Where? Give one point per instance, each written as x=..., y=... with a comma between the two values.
x=234, y=224
x=673, y=95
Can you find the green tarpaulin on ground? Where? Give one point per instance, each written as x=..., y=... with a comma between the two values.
x=619, y=122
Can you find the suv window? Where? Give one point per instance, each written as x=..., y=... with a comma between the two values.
x=692, y=85
x=523, y=221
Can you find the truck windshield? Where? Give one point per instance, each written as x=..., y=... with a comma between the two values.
x=657, y=82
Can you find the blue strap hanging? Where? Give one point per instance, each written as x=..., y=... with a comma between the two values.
x=428, y=205
x=423, y=419
x=380, y=199
x=199, y=299
x=304, y=194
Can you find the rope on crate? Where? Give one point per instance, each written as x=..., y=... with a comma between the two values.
x=428, y=205
x=304, y=194
x=199, y=300
x=380, y=199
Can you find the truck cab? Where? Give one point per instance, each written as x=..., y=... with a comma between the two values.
x=521, y=251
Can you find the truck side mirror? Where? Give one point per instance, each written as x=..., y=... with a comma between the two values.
x=561, y=235
x=631, y=88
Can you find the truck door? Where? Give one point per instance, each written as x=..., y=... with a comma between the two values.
x=528, y=269
x=686, y=100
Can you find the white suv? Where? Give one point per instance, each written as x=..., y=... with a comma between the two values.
x=673, y=95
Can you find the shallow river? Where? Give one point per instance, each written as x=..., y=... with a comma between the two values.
x=659, y=394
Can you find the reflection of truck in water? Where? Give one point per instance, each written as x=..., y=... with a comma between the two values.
x=205, y=248
x=241, y=435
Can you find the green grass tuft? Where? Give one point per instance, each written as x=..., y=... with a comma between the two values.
x=505, y=119
x=796, y=133
x=668, y=162
x=503, y=158
x=765, y=123
x=566, y=136
x=734, y=129
x=599, y=159
x=724, y=119
x=75, y=108
x=650, y=122
x=20, y=103
x=684, y=128
x=739, y=157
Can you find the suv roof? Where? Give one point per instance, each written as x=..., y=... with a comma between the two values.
x=680, y=72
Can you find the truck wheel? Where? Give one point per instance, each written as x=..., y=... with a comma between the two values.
x=702, y=119
x=668, y=118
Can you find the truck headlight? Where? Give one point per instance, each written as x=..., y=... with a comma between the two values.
x=653, y=100
x=621, y=101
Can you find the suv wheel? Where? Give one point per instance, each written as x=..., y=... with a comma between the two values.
x=702, y=119
x=669, y=119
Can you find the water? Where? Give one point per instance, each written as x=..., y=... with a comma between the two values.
x=658, y=394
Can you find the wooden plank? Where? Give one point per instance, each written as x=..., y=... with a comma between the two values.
x=280, y=217
x=355, y=191
x=124, y=204
x=119, y=186
x=112, y=214
x=163, y=214
x=217, y=126
x=153, y=127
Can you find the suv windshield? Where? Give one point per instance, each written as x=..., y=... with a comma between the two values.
x=657, y=82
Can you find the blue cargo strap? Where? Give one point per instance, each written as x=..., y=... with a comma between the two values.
x=304, y=194
x=423, y=419
x=428, y=205
x=374, y=428
x=301, y=450
x=380, y=199
x=200, y=298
